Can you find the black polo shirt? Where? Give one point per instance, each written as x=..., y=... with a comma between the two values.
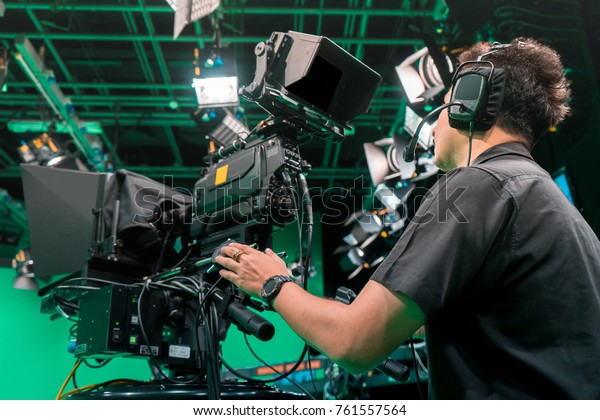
x=508, y=274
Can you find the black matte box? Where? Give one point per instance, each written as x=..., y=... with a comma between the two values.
x=324, y=75
x=59, y=205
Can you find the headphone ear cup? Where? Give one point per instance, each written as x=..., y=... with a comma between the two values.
x=471, y=91
x=480, y=90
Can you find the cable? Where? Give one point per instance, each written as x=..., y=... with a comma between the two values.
x=412, y=346
x=97, y=280
x=76, y=390
x=74, y=379
x=421, y=364
x=185, y=288
x=266, y=381
x=296, y=384
x=471, y=126
x=93, y=387
x=64, y=385
x=287, y=180
x=183, y=259
x=147, y=341
x=212, y=374
x=310, y=372
x=304, y=261
x=65, y=303
x=73, y=331
x=408, y=153
x=187, y=285
x=101, y=363
x=261, y=381
x=209, y=355
x=64, y=314
x=307, y=216
x=77, y=287
x=184, y=278
x=209, y=361
x=215, y=351
x=196, y=330
x=162, y=251
x=211, y=334
x=145, y=336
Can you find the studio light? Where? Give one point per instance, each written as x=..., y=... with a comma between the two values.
x=424, y=76
x=385, y=163
x=215, y=80
x=229, y=129
x=213, y=60
x=25, y=278
x=46, y=150
x=216, y=91
x=365, y=228
x=187, y=11
x=43, y=149
x=44, y=80
x=411, y=122
x=363, y=243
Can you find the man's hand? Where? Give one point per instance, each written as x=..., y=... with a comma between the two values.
x=252, y=268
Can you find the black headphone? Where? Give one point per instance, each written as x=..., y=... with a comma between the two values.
x=479, y=90
x=477, y=93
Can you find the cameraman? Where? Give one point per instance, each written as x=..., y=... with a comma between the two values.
x=501, y=268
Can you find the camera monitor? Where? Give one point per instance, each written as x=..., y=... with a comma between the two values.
x=313, y=74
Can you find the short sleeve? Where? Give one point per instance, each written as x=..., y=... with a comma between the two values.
x=445, y=245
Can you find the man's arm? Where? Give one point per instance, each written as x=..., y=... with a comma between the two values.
x=357, y=336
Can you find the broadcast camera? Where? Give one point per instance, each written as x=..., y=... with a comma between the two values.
x=311, y=88
x=136, y=294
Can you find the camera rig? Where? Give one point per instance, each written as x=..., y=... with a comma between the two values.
x=311, y=89
x=137, y=296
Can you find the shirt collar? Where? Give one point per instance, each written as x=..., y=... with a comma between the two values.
x=502, y=149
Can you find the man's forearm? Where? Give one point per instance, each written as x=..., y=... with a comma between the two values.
x=355, y=336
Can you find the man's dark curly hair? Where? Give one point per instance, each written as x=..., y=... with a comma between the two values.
x=536, y=95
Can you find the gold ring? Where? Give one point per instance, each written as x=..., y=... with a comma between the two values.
x=236, y=256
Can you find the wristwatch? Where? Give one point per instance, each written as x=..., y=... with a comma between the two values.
x=272, y=286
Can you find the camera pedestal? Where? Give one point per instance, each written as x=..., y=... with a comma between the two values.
x=173, y=391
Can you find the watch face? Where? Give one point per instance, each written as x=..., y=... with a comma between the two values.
x=272, y=286
x=269, y=287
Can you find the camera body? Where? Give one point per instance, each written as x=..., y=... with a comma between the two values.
x=253, y=185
